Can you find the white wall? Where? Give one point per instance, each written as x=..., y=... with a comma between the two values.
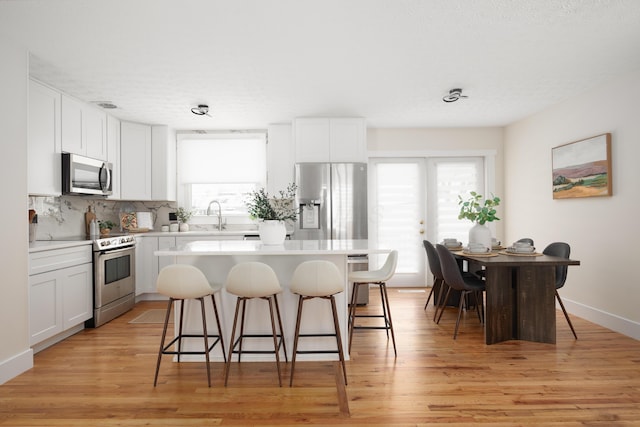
x=602, y=231
x=15, y=354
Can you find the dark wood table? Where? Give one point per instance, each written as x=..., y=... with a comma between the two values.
x=520, y=296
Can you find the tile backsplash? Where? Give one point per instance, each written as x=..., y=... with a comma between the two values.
x=62, y=217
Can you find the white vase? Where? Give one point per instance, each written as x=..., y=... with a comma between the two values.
x=480, y=233
x=272, y=232
x=184, y=226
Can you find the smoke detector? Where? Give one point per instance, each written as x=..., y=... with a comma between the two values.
x=201, y=110
x=454, y=95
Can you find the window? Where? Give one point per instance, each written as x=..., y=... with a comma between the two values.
x=224, y=167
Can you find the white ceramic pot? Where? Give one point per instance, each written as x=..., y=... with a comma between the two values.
x=272, y=232
x=480, y=234
x=184, y=226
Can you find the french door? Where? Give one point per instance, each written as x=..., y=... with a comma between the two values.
x=416, y=199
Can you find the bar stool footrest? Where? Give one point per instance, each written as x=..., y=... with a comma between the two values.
x=180, y=337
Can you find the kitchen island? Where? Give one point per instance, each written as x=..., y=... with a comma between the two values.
x=216, y=258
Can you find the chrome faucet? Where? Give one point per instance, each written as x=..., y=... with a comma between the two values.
x=219, y=212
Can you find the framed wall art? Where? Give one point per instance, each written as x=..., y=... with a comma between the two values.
x=582, y=168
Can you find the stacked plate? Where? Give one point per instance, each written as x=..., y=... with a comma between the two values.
x=521, y=248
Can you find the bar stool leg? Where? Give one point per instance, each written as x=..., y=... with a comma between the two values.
x=215, y=311
x=384, y=307
x=284, y=345
x=295, y=339
x=182, y=303
x=352, y=312
x=231, y=345
x=206, y=340
x=164, y=335
x=383, y=286
x=336, y=325
x=275, y=340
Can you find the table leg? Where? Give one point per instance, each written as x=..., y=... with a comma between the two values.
x=535, y=302
x=499, y=325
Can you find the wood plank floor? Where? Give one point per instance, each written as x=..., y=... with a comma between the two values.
x=104, y=377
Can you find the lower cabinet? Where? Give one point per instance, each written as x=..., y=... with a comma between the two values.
x=61, y=297
x=149, y=265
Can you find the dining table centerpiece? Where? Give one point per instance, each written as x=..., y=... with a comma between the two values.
x=272, y=213
x=479, y=210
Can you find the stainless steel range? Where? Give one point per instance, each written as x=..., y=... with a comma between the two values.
x=114, y=278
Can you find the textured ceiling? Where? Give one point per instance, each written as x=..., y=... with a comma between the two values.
x=256, y=62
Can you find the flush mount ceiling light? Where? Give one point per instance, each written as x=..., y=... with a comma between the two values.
x=454, y=95
x=201, y=110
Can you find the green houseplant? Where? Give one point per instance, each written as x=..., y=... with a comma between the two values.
x=279, y=208
x=475, y=210
x=106, y=226
x=272, y=212
x=184, y=215
x=479, y=210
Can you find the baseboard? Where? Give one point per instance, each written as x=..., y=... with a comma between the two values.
x=16, y=365
x=610, y=321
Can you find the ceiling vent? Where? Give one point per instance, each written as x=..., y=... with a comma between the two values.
x=454, y=95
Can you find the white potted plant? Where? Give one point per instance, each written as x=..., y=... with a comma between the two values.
x=480, y=212
x=184, y=215
x=272, y=213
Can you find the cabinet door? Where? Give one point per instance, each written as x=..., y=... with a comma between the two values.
x=45, y=306
x=165, y=243
x=311, y=139
x=44, y=144
x=94, y=129
x=77, y=295
x=348, y=140
x=135, y=161
x=280, y=158
x=113, y=154
x=146, y=265
x=163, y=165
x=72, y=140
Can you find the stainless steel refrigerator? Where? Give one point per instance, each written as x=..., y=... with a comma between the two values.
x=332, y=198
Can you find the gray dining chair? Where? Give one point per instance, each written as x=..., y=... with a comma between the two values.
x=563, y=250
x=465, y=284
x=439, y=285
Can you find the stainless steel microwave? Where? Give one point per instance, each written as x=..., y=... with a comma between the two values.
x=84, y=175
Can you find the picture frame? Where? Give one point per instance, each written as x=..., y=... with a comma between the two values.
x=582, y=168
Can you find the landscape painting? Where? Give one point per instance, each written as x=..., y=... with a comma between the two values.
x=582, y=168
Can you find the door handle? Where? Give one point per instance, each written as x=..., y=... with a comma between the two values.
x=422, y=231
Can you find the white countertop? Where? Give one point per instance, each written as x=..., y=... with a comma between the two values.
x=45, y=245
x=290, y=247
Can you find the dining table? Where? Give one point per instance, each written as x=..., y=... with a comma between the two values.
x=520, y=294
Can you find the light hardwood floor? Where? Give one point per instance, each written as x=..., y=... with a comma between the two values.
x=104, y=377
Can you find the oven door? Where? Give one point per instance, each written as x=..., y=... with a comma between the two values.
x=114, y=275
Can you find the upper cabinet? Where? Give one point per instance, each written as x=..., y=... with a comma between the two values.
x=44, y=143
x=135, y=161
x=163, y=163
x=84, y=129
x=330, y=140
x=280, y=157
x=147, y=162
x=113, y=154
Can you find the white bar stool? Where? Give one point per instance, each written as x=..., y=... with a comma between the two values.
x=379, y=278
x=317, y=279
x=248, y=280
x=179, y=283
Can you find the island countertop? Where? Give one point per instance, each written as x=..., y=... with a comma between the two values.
x=290, y=247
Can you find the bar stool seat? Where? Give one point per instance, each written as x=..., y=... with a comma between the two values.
x=379, y=278
x=249, y=280
x=317, y=279
x=180, y=283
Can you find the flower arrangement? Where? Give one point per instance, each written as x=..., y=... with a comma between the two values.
x=475, y=210
x=280, y=208
x=184, y=215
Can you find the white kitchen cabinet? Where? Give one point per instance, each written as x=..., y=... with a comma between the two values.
x=113, y=154
x=60, y=291
x=163, y=163
x=330, y=140
x=280, y=157
x=165, y=243
x=84, y=129
x=44, y=143
x=135, y=161
x=146, y=265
